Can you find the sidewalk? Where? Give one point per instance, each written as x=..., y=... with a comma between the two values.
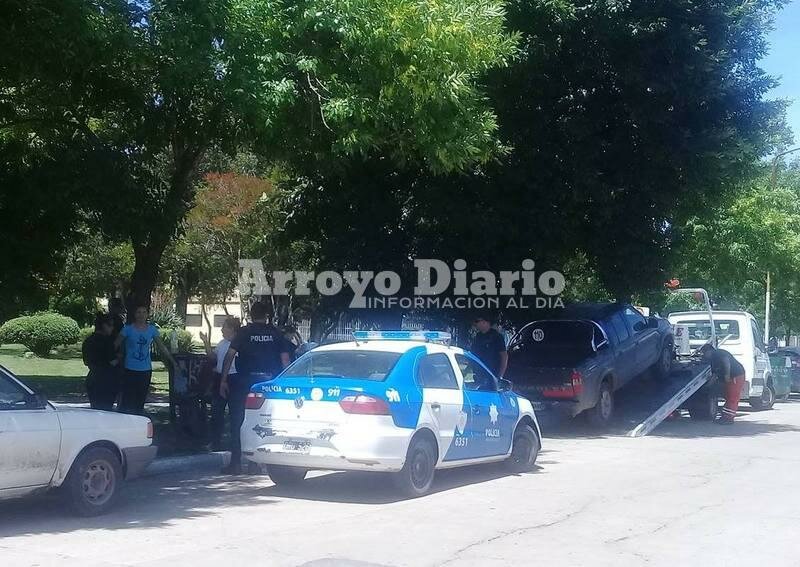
x=211, y=462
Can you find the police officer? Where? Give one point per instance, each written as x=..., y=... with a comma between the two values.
x=489, y=346
x=261, y=352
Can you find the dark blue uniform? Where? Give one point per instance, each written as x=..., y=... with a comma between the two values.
x=258, y=349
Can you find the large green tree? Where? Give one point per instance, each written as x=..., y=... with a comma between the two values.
x=756, y=230
x=625, y=119
x=146, y=88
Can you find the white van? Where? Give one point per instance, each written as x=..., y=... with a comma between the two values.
x=738, y=333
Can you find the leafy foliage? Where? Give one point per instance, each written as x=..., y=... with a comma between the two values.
x=41, y=333
x=146, y=89
x=755, y=231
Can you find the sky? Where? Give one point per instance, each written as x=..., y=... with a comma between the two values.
x=783, y=61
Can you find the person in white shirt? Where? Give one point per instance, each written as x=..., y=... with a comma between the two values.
x=218, y=404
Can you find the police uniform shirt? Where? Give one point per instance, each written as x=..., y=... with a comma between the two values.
x=259, y=347
x=488, y=346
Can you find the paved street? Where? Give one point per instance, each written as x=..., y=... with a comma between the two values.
x=691, y=494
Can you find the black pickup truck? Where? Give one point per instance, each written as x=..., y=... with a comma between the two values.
x=577, y=361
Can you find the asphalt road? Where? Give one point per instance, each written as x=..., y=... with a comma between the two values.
x=690, y=494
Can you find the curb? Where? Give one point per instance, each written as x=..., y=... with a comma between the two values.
x=185, y=463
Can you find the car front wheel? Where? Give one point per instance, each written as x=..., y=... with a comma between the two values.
x=766, y=401
x=416, y=476
x=93, y=482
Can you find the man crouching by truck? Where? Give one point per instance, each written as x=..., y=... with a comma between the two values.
x=726, y=368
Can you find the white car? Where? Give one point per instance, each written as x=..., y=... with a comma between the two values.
x=738, y=333
x=391, y=401
x=85, y=453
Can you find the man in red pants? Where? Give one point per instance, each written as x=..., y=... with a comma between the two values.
x=726, y=368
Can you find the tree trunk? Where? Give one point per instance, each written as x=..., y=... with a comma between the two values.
x=145, y=274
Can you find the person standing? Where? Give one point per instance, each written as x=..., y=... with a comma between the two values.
x=489, y=346
x=137, y=339
x=261, y=352
x=726, y=368
x=116, y=310
x=99, y=355
x=230, y=328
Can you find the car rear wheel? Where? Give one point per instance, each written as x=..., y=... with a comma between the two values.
x=524, y=450
x=600, y=415
x=703, y=407
x=93, y=482
x=664, y=363
x=766, y=401
x=416, y=476
x=286, y=476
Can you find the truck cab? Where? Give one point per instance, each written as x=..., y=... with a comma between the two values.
x=737, y=332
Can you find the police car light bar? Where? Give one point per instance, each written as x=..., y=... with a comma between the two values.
x=425, y=336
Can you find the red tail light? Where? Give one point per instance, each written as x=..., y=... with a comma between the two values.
x=567, y=390
x=577, y=382
x=254, y=400
x=363, y=404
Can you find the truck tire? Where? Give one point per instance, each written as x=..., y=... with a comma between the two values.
x=524, y=450
x=664, y=363
x=93, y=483
x=600, y=415
x=766, y=401
x=416, y=477
x=286, y=476
x=703, y=407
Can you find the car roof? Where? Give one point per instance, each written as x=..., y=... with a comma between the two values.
x=387, y=346
x=591, y=311
x=704, y=314
x=789, y=349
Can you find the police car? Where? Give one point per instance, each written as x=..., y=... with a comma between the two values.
x=402, y=402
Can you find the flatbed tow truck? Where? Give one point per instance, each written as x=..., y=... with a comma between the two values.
x=688, y=385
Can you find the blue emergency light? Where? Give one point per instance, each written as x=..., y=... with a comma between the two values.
x=426, y=336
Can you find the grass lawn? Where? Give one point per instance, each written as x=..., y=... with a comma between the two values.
x=61, y=376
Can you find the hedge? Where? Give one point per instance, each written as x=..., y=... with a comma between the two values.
x=41, y=332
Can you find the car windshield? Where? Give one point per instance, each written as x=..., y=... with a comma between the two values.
x=701, y=330
x=358, y=364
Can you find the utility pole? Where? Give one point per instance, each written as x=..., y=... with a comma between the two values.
x=772, y=182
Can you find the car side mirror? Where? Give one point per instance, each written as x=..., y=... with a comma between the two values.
x=652, y=323
x=639, y=326
x=36, y=401
x=506, y=385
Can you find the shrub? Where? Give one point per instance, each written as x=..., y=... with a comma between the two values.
x=41, y=332
x=85, y=333
x=185, y=340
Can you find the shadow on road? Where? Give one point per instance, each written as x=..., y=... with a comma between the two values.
x=147, y=503
x=157, y=501
x=376, y=488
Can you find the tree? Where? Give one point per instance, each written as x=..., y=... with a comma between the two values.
x=152, y=86
x=624, y=119
x=731, y=248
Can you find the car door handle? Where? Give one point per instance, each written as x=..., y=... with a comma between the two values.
x=436, y=406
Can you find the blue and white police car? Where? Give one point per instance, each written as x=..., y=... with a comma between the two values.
x=402, y=402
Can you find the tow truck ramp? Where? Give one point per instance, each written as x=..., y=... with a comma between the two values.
x=697, y=374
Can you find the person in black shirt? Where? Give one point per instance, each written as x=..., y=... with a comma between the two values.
x=102, y=382
x=726, y=368
x=261, y=352
x=489, y=346
x=116, y=310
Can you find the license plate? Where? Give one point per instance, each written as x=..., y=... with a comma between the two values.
x=297, y=446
